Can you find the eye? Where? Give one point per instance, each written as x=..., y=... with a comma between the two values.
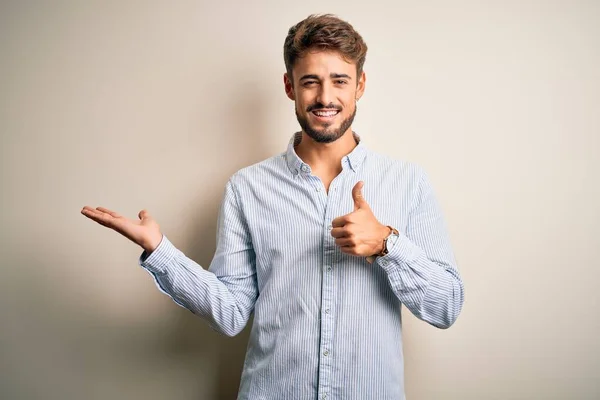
x=309, y=83
x=340, y=82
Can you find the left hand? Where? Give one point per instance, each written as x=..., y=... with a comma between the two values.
x=359, y=233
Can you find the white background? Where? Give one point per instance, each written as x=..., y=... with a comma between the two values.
x=154, y=104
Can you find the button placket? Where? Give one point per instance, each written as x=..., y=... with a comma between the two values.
x=326, y=325
x=328, y=293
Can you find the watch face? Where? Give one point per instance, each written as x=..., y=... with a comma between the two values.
x=393, y=232
x=385, y=249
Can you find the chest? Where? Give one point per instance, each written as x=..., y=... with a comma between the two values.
x=290, y=222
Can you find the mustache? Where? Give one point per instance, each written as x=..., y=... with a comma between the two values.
x=320, y=106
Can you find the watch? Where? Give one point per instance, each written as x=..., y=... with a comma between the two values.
x=384, y=251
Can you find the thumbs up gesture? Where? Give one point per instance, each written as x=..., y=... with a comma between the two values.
x=359, y=233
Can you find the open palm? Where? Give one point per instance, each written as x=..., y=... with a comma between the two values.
x=144, y=232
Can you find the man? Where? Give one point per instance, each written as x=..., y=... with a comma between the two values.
x=323, y=242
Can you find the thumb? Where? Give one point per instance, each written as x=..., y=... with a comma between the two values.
x=359, y=200
x=144, y=214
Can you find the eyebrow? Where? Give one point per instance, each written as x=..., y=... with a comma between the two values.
x=332, y=76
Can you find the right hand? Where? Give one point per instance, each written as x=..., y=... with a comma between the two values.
x=144, y=232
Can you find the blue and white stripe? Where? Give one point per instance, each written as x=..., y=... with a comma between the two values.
x=326, y=324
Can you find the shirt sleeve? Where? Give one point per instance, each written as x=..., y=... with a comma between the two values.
x=420, y=264
x=225, y=294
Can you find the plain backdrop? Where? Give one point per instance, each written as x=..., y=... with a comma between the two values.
x=154, y=104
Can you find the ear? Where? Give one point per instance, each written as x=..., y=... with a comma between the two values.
x=289, y=87
x=360, y=87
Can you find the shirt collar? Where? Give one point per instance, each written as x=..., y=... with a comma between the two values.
x=353, y=160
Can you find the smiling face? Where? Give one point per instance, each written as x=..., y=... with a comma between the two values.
x=325, y=88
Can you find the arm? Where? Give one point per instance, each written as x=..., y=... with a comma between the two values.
x=224, y=294
x=420, y=264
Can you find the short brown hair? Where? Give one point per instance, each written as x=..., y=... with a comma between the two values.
x=324, y=32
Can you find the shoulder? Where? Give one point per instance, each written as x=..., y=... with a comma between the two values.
x=262, y=170
x=395, y=167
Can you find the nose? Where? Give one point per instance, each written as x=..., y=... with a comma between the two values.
x=325, y=95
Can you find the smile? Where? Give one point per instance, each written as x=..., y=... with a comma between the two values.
x=325, y=113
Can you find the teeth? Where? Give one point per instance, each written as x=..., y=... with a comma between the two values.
x=326, y=113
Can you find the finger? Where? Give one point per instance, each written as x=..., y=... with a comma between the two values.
x=87, y=208
x=357, y=195
x=102, y=218
x=341, y=221
x=144, y=214
x=337, y=223
x=345, y=242
x=89, y=211
x=110, y=212
x=359, y=200
x=96, y=215
x=339, y=232
x=348, y=250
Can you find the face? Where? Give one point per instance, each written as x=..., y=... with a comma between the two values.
x=325, y=89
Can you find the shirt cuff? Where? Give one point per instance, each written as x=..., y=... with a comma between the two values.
x=158, y=261
x=400, y=251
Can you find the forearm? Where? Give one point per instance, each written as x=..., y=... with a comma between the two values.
x=197, y=289
x=430, y=287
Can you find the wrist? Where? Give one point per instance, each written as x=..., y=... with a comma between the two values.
x=152, y=243
x=384, y=232
x=382, y=249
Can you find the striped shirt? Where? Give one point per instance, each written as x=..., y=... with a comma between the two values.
x=327, y=325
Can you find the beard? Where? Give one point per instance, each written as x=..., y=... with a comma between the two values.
x=324, y=135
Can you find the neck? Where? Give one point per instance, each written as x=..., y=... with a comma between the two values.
x=326, y=156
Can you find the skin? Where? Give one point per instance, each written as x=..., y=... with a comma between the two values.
x=320, y=81
x=324, y=80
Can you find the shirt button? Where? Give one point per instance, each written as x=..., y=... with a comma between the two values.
x=305, y=168
x=328, y=269
x=326, y=353
x=327, y=311
x=384, y=263
x=330, y=227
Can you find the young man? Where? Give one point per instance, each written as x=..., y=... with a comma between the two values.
x=323, y=242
